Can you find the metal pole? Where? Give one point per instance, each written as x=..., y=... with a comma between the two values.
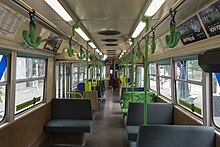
x=87, y=66
x=146, y=74
x=132, y=62
x=126, y=77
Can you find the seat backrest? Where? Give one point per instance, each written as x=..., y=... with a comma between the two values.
x=175, y=136
x=157, y=113
x=160, y=113
x=135, y=115
x=71, y=109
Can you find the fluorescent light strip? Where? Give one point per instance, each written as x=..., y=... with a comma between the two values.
x=56, y=6
x=92, y=45
x=97, y=50
x=105, y=57
x=154, y=7
x=82, y=34
x=138, y=29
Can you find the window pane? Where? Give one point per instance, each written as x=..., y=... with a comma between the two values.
x=216, y=98
x=153, y=83
x=140, y=77
x=189, y=96
x=3, y=67
x=165, y=89
x=28, y=67
x=194, y=71
x=152, y=68
x=28, y=94
x=164, y=70
x=181, y=70
x=2, y=101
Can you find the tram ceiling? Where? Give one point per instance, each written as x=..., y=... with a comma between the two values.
x=119, y=15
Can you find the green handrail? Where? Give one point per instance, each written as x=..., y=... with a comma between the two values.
x=87, y=65
x=74, y=92
x=146, y=72
x=126, y=77
x=132, y=62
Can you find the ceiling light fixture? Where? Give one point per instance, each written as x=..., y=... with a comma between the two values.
x=82, y=34
x=92, y=45
x=56, y=6
x=152, y=9
x=105, y=57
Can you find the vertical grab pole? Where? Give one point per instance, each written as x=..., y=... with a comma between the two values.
x=132, y=62
x=87, y=65
x=126, y=77
x=146, y=72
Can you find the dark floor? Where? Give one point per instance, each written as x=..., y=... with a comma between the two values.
x=107, y=129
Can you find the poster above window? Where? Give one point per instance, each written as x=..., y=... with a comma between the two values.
x=191, y=31
x=211, y=19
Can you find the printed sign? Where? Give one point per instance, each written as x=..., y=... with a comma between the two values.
x=53, y=42
x=211, y=19
x=191, y=31
x=10, y=21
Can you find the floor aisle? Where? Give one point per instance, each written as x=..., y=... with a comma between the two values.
x=107, y=129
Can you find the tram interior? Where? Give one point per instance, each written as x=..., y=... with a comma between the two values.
x=116, y=73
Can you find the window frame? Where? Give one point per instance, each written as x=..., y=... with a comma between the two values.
x=17, y=81
x=6, y=84
x=189, y=81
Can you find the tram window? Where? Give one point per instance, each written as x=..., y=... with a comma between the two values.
x=30, y=77
x=216, y=98
x=152, y=75
x=3, y=69
x=81, y=74
x=189, y=86
x=75, y=75
x=140, y=76
x=165, y=82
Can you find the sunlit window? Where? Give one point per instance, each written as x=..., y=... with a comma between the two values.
x=189, y=85
x=164, y=81
x=3, y=79
x=30, y=78
x=140, y=76
x=152, y=76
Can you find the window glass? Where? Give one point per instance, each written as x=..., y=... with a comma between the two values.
x=164, y=70
x=75, y=75
x=153, y=83
x=152, y=68
x=3, y=69
x=165, y=89
x=194, y=72
x=189, y=86
x=190, y=96
x=216, y=98
x=81, y=74
x=29, y=92
x=140, y=76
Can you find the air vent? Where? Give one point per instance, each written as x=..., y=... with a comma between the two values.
x=108, y=44
x=111, y=50
x=109, y=32
x=109, y=40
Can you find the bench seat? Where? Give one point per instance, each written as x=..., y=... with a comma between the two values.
x=68, y=126
x=175, y=136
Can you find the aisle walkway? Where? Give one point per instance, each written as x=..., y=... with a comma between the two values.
x=108, y=129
